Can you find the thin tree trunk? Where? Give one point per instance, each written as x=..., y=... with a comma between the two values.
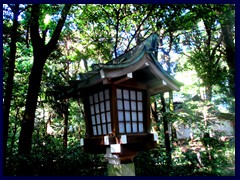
x=117, y=31
x=10, y=164
x=10, y=75
x=208, y=93
x=65, y=116
x=230, y=54
x=166, y=132
x=154, y=111
x=65, y=133
x=210, y=57
x=171, y=108
x=14, y=131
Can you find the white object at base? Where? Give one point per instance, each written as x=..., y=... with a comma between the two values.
x=124, y=139
x=155, y=136
x=106, y=140
x=81, y=142
x=115, y=148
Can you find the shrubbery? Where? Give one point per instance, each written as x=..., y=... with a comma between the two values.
x=52, y=159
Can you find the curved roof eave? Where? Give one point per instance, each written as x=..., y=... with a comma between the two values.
x=161, y=73
x=133, y=60
x=133, y=55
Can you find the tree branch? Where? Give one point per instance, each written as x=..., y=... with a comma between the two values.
x=34, y=26
x=56, y=34
x=117, y=29
x=149, y=13
x=217, y=45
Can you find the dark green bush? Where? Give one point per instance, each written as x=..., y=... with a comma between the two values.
x=50, y=158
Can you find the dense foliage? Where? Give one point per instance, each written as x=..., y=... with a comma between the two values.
x=47, y=45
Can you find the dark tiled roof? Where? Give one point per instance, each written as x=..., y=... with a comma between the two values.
x=142, y=56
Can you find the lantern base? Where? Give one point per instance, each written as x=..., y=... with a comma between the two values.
x=121, y=169
x=135, y=143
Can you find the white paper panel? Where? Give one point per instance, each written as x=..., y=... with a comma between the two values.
x=107, y=105
x=127, y=116
x=127, y=105
x=128, y=127
x=95, y=97
x=125, y=94
x=104, y=129
x=106, y=94
x=94, y=130
x=140, y=116
x=99, y=130
x=102, y=108
x=93, y=120
x=121, y=127
x=139, y=96
x=140, y=125
x=97, y=108
x=103, y=117
x=98, y=118
x=120, y=104
x=119, y=93
x=133, y=105
x=120, y=116
x=101, y=96
x=109, y=127
x=133, y=95
x=134, y=116
x=108, y=117
x=134, y=124
x=92, y=109
x=140, y=106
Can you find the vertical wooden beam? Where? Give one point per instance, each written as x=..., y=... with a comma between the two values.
x=114, y=112
x=148, y=122
x=87, y=116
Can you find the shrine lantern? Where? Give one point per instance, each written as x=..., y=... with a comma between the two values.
x=116, y=98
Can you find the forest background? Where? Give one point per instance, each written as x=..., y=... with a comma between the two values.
x=45, y=46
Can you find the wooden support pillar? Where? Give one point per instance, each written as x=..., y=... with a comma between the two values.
x=116, y=166
x=121, y=169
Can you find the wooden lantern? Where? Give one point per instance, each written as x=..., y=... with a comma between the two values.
x=116, y=98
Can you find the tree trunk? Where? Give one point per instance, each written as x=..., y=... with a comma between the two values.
x=27, y=125
x=166, y=132
x=227, y=26
x=208, y=92
x=230, y=54
x=40, y=53
x=65, y=116
x=65, y=133
x=154, y=111
x=9, y=82
x=171, y=108
x=14, y=131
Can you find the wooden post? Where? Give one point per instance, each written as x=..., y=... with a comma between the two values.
x=116, y=168
x=121, y=169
